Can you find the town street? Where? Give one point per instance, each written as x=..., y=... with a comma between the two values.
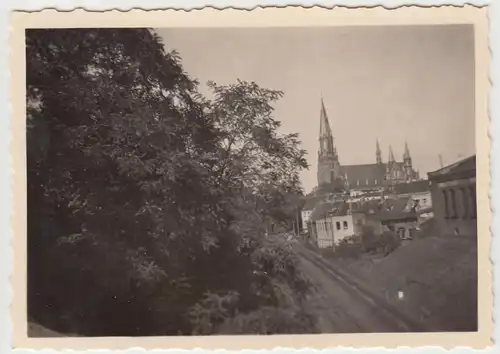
x=341, y=307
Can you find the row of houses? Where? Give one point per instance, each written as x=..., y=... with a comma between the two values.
x=448, y=196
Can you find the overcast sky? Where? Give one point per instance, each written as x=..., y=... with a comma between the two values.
x=413, y=83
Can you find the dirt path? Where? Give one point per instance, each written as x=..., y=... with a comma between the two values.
x=339, y=308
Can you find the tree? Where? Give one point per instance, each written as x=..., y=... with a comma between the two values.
x=258, y=168
x=116, y=172
x=144, y=213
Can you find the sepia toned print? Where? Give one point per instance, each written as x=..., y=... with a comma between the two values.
x=189, y=185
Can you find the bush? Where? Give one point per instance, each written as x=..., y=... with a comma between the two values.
x=384, y=243
x=368, y=239
x=389, y=241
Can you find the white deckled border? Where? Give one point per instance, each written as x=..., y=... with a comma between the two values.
x=295, y=16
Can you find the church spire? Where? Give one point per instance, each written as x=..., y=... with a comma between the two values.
x=328, y=162
x=324, y=124
x=326, y=145
x=378, y=153
x=406, y=155
x=391, y=156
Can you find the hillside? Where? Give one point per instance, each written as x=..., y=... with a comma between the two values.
x=436, y=275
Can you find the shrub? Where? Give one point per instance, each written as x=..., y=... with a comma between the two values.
x=368, y=239
x=389, y=241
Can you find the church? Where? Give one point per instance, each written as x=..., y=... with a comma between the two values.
x=333, y=176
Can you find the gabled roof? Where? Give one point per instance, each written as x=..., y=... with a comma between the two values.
x=466, y=166
x=412, y=187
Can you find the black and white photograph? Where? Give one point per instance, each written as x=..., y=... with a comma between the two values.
x=203, y=181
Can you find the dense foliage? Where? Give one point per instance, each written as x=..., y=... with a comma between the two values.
x=148, y=204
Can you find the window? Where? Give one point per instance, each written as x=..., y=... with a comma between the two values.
x=446, y=206
x=367, y=181
x=453, y=204
x=357, y=182
x=424, y=201
x=345, y=225
x=465, y=203
x=472, y=193
x=375, y=181
x=338, y=225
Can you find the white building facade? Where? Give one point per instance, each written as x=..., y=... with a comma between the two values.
x=331, y=230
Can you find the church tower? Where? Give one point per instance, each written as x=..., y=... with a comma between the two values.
x=378, y=154
x=328, y=162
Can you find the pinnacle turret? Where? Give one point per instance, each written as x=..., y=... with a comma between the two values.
x=406, y=154
x=378, y=153
x=391, y=156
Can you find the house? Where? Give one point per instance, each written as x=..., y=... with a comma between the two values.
x=419, y=191
x=307, y=210
x=331, y=222
x=397, y=214
x=453, y=190
x=404, y=223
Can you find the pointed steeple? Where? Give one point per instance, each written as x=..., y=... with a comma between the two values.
x=328, y=162
x=324, y=124
x=391, y=155
x=326, y=145
x=378, y=153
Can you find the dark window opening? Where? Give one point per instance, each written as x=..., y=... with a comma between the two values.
x=446, y=206
x=465, y=203
x=453, y=204
x=338, y=225
x=345, y=225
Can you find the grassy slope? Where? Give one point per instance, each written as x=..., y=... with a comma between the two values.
x=438, y=276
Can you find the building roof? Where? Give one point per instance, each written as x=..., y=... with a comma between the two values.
x=397, y=204
x=324, y=209
x=385, y=206
x=371, y=207
x=397, y=215
x=368, y=175
x=464, y=167
x=412, y=187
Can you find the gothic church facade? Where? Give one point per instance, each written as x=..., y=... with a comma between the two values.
x=368, y=176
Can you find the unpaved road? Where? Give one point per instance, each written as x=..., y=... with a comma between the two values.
x=339, y=307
